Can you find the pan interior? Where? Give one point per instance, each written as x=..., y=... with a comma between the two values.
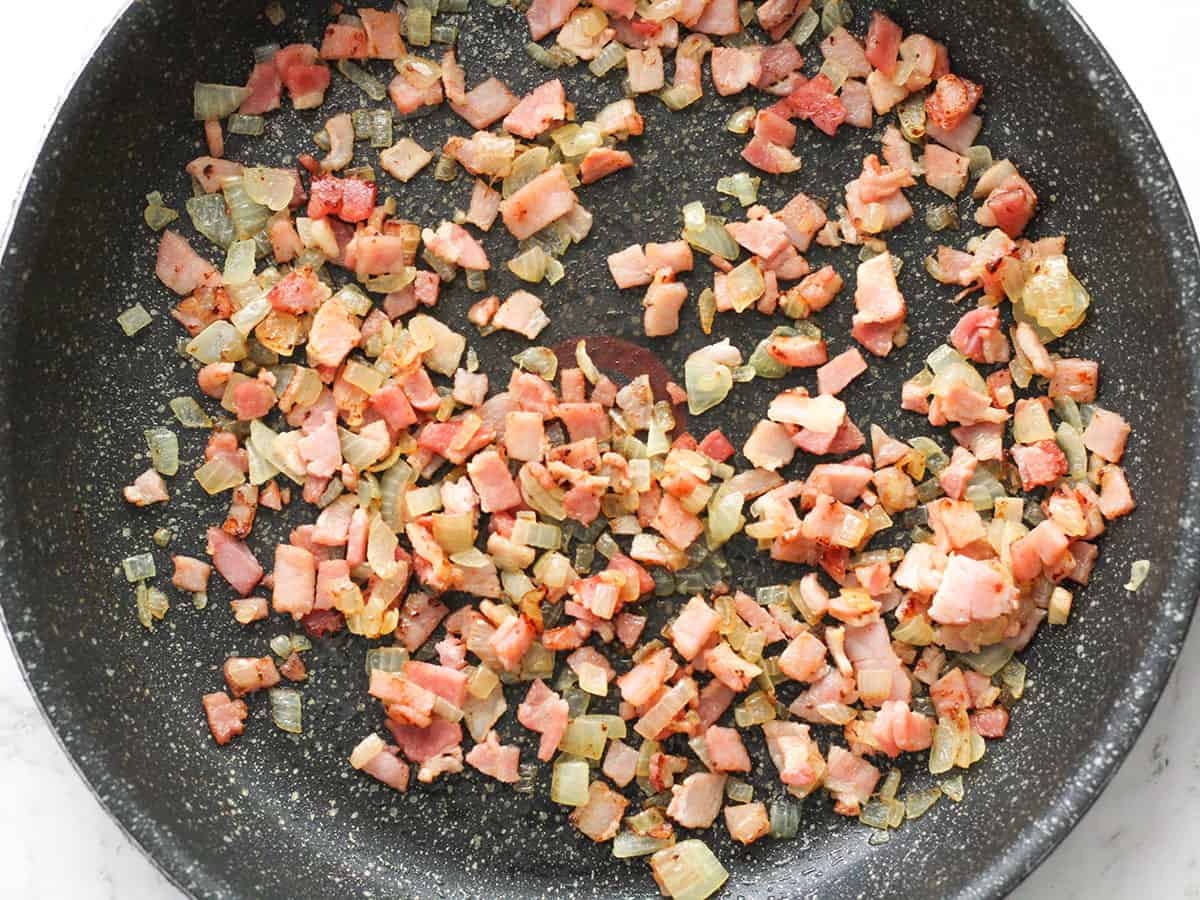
x=274, y=815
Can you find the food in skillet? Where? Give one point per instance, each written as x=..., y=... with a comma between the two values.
x=504, y=533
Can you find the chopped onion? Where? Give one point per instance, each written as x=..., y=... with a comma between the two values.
x=286, y=710
x=138, y=568
x=743, y=186
x=979, y=160
x=628, y=844
x=531, y=265
x=944, y=750
x=741, y=121
x=134, y=319
x=785, y=818
x=272, y=188
x=911, y=114
x=381, y=548
x=712, y=238
x=836, y=14
x=219, y=474
x=211, y=219
x=1031, y=424
x=569, y=782
x=1060, y=606
x=1013, y=678
x=362, y=79
x=164, y=450
x=745, y=285
x=707, y=382
x=754, y=710
x=216, y=101
x=247, y=216
x=941, y=217
x=1137, y=574
x=252, y=126
x=189, y=413
x=805, y=27
x=689, y=870
x=481, y=713
x=239, y=262
x=219, y=342
x=953, y=788
x=608, y=59
x=418, y=27
x=586, y=738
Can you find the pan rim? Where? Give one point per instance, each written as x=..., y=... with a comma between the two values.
x=1032, y=845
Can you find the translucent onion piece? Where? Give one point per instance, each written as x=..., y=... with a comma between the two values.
x=189, y=413
x=805, y=27
x=569, y=782
x=286, y=710
x=211, y=219
x=251, y=126
x=164, y=450
x=688, y=871
x=219, y=342
x=216, y=101
x=741, y=121
x=1137, y=574
x=608, y=59
x=785, y=818
x=272, y=188
x=247, y=216
x=134, y=319
x=139, y=567
x=381, y=548
x=530, y=266
x=707, y=383
x=387, y=659
x=219, y=474
x=362, y=79
x=953, y=788
x=627, y=844
x=239, y=263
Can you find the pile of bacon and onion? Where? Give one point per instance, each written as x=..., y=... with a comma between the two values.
x=476, y=525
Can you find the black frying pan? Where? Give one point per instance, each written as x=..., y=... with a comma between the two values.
x=277, y=816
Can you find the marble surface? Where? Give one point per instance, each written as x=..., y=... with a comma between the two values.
x=1142, y=835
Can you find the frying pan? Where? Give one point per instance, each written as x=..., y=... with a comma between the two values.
x=275, y=815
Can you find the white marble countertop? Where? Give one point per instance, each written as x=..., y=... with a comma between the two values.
x=1142, y=835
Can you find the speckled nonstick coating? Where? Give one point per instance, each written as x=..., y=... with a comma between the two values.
x=279, y=816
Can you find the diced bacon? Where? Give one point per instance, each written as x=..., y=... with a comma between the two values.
x=747, y=822
x=620, y=763
x=950, y=695
x=295, y=582
x=450, y=763
x=454, y=244
x=804, y=658
x=971, y=591
x=697, y=802
x=844, y=49
x=1106, y=435
x=646, y=72
x=146, y=489
x=836, y=375
x=951, y=101
x=880, y=305
x=385, y=766
x=190, y=574
x=674, y=256
x=1075, y=378
x=693, y=629
x=545, y=16
x=449, y=684
x=735, y=68
x=729, y=668
x=726, y=750
x=383, y=33
x=1116, y=499
x=602, y=161
x=404, y=701
x=420, y=616
x=662, y=303
x=629, y=267
x=226, y=717
x=883, y=43
x=423, y=744
x=245, y=675
x=720, y=17
x=304, y=75
x=1039, y=464
x=235, y=562
x=978, y=336
x=644, y=680
x=344, y=42
x=334, y=333
x=485, y=206
x=265, y=88
x=211, y=173
x=521, y=312
x=856, y=98
x=815, y=101
x=898, y=730
x=956, y=476
x=584, y=420
x=543, y=107
x=179, y=267
x=511, y=641
x=850, y=779
x=545, y=712
x=959, y=139
x=485, y=104
x=945, y=170
x=547, y=198
x=885, y=93
x=795, y=755
x=1009, y=207
x=600, y=817
x=768, y=157
x=763, y=237
x=803, y=217
x=677, y=524
x=769, y=446
x=990, y=723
